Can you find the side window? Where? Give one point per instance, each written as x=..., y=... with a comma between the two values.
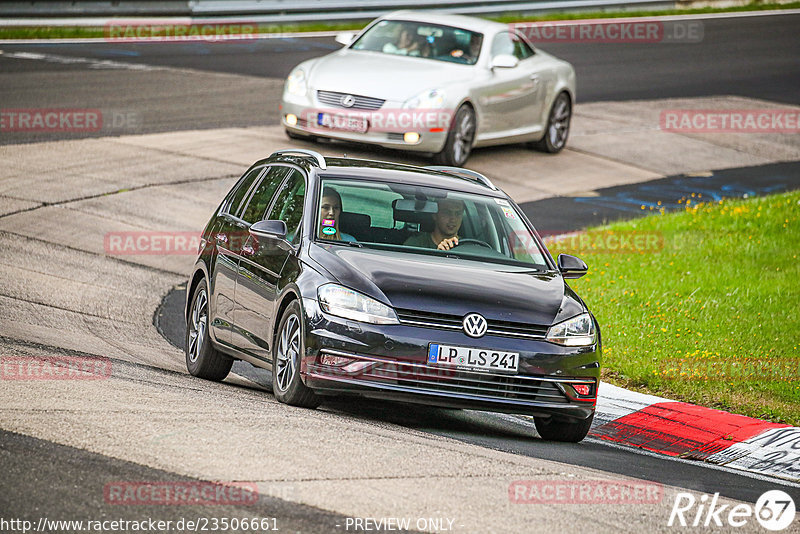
x=502, y=44
x=506, y=43
x=288, y=205
x=521, y=48
x=234, y=200
x=259, y=200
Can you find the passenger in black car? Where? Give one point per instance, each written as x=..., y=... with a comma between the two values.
x=330, y=211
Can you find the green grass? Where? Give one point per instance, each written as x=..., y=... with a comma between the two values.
x=577, y=15
x=73, y=32
x=713, y=317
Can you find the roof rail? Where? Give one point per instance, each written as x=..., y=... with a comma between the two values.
x=464, y=173
x=319, y=158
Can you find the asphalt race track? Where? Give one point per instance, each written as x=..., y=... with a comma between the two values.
x=200, y=85
x=197, y=86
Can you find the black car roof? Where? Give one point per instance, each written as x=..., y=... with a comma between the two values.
x=388, y=172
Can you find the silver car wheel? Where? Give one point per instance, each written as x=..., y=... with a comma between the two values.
x=559, y=122
x=288, y=352
x=197, y=328
x=465, y=132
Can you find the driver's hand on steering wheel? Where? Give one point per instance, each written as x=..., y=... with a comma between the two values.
x=448, y=243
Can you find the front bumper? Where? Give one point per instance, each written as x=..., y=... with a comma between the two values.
x=386, y=136
x=390, y=362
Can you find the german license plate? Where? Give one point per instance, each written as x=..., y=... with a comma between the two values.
x=471, y=358
x=342, y=122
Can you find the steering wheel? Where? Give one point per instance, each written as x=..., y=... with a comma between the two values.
x=474, y=242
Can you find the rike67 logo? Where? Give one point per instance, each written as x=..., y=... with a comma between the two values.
x=774, y=510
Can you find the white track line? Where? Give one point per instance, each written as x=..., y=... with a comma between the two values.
x=228, y=40
x=91, y=63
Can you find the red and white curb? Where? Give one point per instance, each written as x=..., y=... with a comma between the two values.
x=692, y=432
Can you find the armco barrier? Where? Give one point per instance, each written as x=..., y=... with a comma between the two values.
x=286, y=11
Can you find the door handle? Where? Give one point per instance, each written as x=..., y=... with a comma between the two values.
x=248, y=250
x=221, y=239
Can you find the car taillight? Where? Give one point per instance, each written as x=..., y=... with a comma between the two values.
x=583, y=389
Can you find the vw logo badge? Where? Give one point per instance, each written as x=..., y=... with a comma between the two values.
x=348, y=101
x=475, y=325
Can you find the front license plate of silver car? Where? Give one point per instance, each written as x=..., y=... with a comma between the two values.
x=342, y=122
x=472, y=358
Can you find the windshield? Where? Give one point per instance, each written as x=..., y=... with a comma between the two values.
x=417, y=219
x=417, y=39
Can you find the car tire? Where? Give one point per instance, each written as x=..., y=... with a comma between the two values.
x=203, y=360
x=288, y=350
x=557, y=131
x=572, y=431
x=458, y=145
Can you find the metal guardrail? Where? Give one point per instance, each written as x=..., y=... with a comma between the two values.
x=288, y=11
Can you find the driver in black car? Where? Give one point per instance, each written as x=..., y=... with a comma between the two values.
x=447, y=223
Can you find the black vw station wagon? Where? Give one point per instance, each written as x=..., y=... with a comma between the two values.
x=419, y=284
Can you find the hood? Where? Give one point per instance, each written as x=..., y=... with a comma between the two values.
x=450, y=286
x=392, y=78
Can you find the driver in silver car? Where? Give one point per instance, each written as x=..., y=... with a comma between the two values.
x=447, y=223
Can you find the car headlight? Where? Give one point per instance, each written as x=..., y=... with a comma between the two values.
x=430, y=99
x=576, y=332
x=344, y=302
x=296, y=83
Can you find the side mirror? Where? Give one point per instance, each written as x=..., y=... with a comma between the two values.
x=571, y=266
x=269, y=229
x=345, y=38
x=504, y=61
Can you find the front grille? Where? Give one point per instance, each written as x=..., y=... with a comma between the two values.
x=421, y=378
x=454, y=322
x=333, y=98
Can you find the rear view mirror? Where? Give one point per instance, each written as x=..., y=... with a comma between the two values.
x=571, y=266
x=417, y=206
x=345, y=38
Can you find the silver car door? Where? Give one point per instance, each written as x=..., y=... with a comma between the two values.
x=516, y=95
x=539, y=70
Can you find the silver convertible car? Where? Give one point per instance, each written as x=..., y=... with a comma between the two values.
x=434, y=83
